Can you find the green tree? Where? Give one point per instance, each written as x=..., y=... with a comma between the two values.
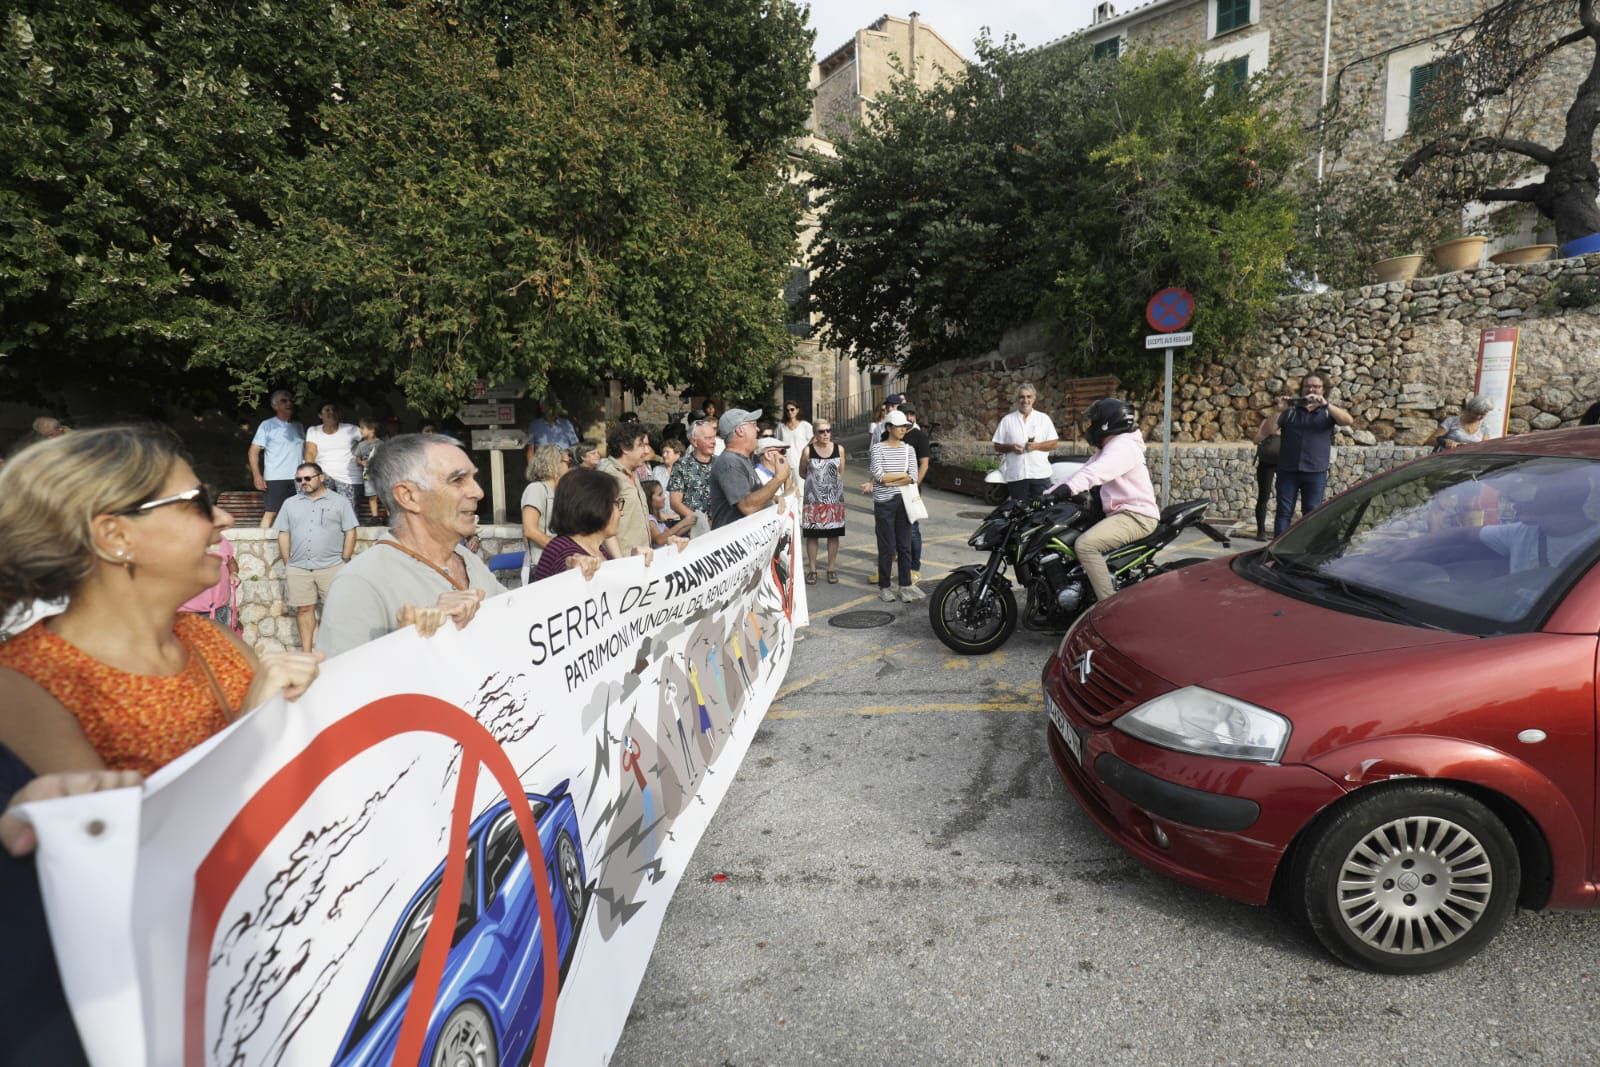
x=1186, y=181
x=134, y=144
x=1048, y=185
x=568, y=218
x=747, y=62
x=144, y=147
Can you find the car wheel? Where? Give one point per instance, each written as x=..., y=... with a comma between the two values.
x=466, y=1040
x=1409, y=879
x=570, y=870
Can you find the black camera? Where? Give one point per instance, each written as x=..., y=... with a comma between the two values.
x=1299, y=401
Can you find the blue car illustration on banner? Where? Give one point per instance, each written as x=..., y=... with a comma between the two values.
x=487, y=1009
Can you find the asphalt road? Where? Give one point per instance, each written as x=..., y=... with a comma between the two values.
x=909, y=883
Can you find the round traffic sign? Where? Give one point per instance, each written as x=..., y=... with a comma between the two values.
x=1169, y=310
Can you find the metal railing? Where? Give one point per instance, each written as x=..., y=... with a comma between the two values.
x=856, y=412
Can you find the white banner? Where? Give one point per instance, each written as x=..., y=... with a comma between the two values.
x=269, y=898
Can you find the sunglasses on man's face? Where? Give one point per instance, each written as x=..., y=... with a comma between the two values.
x=199, y=498
x=308, y=479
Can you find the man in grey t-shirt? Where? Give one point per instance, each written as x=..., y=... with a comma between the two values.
x=316, y=536
x=735, y=490
x=421, y=575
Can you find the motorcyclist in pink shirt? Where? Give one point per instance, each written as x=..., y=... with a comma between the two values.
x=1118, y=467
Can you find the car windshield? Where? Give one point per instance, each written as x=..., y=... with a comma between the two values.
x=1476, y=543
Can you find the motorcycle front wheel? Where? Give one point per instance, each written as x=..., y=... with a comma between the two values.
x=966, y=624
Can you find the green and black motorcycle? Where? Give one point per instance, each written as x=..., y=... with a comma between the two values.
x=974, y=610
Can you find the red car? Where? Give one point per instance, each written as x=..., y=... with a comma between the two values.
x=1385, y=718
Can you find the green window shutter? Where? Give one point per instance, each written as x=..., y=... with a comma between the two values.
x=1231, y=14
x=1108, y=49
x=1430, y=88
x=1233, y=75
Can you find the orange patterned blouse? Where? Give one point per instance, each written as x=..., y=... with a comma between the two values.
x=137, y=722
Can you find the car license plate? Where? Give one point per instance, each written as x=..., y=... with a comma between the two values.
x=1058, y=719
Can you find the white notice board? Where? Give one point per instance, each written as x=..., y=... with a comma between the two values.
x=1497, y=371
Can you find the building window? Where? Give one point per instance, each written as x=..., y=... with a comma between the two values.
x=797, y=295
x=1433, y=88
x=1109, y=48
x=1233, y=75
x=1232, y=14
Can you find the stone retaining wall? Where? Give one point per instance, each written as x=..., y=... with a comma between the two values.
x=1226, y=473
x=269, y=625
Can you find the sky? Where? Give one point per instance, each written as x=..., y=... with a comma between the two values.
x=958, y=21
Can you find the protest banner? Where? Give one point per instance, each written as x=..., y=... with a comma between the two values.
x=270, y=897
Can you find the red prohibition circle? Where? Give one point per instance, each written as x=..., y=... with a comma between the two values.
x=266, y=813
x=1169, y=310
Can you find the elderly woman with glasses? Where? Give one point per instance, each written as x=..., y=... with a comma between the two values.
x=822, y=515
x=114, y=522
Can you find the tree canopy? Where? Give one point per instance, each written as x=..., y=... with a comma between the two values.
x=563, y=218
x=1049, y=185
x=150, y=155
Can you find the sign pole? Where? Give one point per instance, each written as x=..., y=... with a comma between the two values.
x=1167, y=434
x=1168, y=312
x=497, y=481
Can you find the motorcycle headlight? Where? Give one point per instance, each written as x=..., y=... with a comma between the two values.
x=1197, y=720
x=984, y=538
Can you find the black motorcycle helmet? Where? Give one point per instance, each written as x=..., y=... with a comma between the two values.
x=1107, y=418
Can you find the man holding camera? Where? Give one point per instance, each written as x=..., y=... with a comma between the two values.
x=1306, y=423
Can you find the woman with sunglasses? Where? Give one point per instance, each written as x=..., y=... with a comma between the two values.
x=115, y=522
x=822, y=516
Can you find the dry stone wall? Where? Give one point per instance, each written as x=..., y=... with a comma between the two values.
x=269, y=624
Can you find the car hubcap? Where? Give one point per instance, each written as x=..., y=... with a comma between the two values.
x=465, y=1044
x=571, y=881
x=1414, y=885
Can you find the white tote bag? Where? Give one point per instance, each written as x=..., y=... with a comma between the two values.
x=916, y=510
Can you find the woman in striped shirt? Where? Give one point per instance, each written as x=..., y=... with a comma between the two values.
x=893, y=464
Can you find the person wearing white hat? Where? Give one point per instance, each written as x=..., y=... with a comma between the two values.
x=893, y=465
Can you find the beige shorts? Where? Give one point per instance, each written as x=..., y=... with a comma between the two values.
x=310, y=588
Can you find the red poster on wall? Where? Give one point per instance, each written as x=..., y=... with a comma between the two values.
x=1497, y=371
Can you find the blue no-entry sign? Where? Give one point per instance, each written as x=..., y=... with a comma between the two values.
x=1169, y=310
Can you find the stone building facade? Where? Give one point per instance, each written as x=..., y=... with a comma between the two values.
x=1400, y=356
x=848, y=78
x=1364, y=57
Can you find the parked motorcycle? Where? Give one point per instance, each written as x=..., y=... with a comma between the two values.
x=974, y=610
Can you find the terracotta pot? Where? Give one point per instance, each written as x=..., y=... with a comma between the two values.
x=1524, y=254
x=1398, y=268
x=1464, y=253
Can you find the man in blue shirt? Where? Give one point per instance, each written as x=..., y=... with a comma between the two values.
x=1306, y=423
x=276, y=450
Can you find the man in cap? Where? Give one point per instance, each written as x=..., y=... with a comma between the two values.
x=735, y=489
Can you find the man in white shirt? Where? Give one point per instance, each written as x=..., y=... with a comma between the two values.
x=1024, y=440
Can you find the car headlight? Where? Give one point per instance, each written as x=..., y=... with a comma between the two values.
x=1197, y=720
